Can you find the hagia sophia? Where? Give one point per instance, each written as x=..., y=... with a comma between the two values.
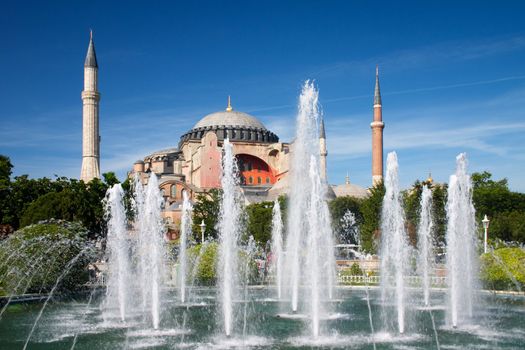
x=194, y=166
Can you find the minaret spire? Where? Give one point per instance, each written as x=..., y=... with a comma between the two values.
x=377, y=126
x=377, y=92
x=91, y=56
x=323, y=152
x=322, y=133
x=90, y=116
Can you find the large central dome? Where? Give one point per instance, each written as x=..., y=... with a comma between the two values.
x=233, y=118
x=229, y=117
x=237, y=126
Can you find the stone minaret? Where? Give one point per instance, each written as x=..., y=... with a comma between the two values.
x=90, y=132
x=323, y=151
x=377, y=136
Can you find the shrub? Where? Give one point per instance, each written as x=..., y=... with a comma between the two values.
x=504, y=269
x=206, y=270
x=34, y=257
x=202, y=266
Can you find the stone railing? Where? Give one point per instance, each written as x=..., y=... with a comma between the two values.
x=412, y=281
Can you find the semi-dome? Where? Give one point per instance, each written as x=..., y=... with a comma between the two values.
x=230, y=118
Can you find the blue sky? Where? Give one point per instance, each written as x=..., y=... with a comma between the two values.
x=452, y=79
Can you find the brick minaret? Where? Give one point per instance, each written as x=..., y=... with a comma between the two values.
x=90, y=130
x=323, y=151
x=377, y=135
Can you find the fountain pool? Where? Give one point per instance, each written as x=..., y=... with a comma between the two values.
x=499, y=325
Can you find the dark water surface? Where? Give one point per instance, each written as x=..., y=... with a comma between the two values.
x=500, y=324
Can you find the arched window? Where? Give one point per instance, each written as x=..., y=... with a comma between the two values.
x=259, y=180
x=173, y=191
x=267, y=180
x=182, y=193
x=250, y=179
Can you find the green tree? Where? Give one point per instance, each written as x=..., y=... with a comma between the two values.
x=22, y=191
x=371, y=211
x=207, y=208
x=504, y=208
x=260, y=222
x=54, y=205
x=6, y=169
x=70, y=200
x=439, y=213
x=412, y=206
x=110, y=179
x=508, y=226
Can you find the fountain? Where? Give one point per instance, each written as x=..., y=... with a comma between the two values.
x=185, y=231
x=461, y=245
x=118, y=253
x=394, y=248
x=310, y=241
x=249, y=315
x=424, y=241
x=277, y=247
x=350, y=230
x=150, y=245
x=140, y=250
x=229, y=229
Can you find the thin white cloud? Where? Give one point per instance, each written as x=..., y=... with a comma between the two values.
x=444, y=52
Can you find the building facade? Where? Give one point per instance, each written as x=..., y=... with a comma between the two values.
x=194, y=166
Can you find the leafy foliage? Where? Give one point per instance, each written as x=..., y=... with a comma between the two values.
x=205, y=272
x=439, y=213
x=505, y=209
x=25, y=201
x=412, y=205
x=76, y=201
x=35, y=256
x=207, y=208
x=260, y=221
x=371, y=212
x=504, y=269
x=204, y=264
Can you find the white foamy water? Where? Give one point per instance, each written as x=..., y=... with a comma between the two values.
x=277, y=247
x=461, y=245
x=394, y=248
x=185, y=229
x=424, y=241
x=310, y=241
x=229, y=227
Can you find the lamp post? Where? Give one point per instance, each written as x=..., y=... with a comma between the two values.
x=485, y=222
x=203, y=228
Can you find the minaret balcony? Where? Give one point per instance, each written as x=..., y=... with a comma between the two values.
x=91, y=94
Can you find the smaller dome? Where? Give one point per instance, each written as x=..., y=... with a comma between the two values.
x=139, y=162
x=350, y=190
